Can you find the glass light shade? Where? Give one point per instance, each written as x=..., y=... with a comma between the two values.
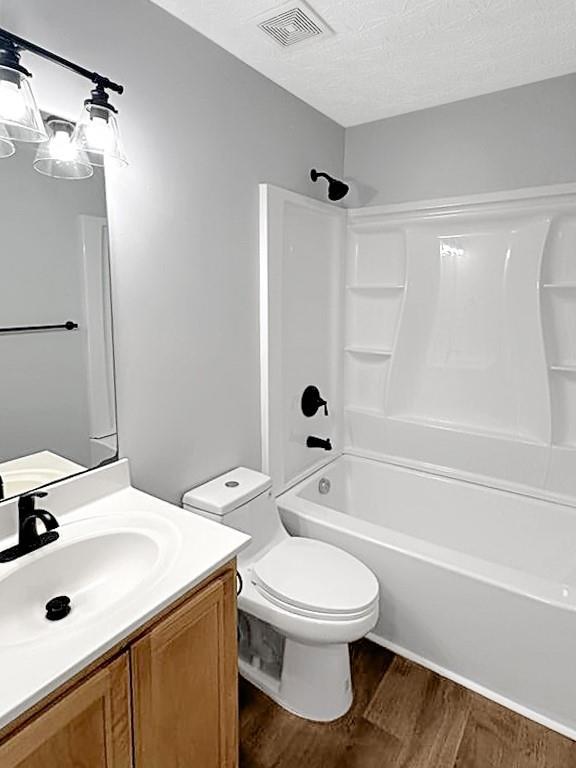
x=98, y=136
x=19, y=113
x=7, y=148
x=59, y=157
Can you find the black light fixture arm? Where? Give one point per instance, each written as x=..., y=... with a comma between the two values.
x=15, y=43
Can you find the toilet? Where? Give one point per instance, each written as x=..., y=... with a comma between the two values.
x=300, y=604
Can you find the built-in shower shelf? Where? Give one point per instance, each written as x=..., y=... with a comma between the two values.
x=571, y=368
x=380, y=351
x=560, y=286
x=376, y=287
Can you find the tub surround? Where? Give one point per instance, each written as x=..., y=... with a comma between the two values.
x=176, y=549
x=460, y=318
x=441, y=332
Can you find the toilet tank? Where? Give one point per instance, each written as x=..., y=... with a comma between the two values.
x=241, y=499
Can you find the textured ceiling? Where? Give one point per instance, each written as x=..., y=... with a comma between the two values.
x=388, y=57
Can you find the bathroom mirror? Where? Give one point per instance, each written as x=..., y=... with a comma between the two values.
x=57, y=394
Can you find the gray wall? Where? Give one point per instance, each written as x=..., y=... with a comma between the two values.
x=201, y=130
x=521, y=137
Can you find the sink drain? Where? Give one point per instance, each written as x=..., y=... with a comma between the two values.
x=58, y=608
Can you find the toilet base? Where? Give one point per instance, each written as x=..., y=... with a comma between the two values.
x=315, y=682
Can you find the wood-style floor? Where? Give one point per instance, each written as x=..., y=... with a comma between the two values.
x=403, y=716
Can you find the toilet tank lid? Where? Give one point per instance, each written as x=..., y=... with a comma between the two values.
x=227, y=492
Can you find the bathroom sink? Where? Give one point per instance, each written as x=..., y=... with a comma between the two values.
x=100, y=564
x=121, y=557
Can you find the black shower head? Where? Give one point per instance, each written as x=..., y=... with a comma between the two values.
x=336, y=189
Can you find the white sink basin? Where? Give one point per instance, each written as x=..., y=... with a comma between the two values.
x=98, y=563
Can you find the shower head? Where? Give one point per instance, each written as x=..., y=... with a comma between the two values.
x=336, y=189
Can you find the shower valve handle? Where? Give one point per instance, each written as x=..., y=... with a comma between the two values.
x=312, y=401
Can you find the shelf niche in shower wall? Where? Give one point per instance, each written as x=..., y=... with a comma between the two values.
x=558, y=306
x=376, y=274
x=366, y=375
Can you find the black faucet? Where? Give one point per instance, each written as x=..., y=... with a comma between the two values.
x=318, y=442
x=29, y=539
x=28, y=516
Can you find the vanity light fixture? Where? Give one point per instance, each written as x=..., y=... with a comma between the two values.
x=19, y=113
x=97, y=133
x=59, y=157
x=94, y=142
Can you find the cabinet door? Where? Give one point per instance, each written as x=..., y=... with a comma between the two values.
x=184, y=684
x=88, y=728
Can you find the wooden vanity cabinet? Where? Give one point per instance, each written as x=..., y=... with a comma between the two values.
x=88, y=728
x=167, y=699
x=184, y=684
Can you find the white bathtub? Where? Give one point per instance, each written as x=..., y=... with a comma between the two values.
x=477, y=584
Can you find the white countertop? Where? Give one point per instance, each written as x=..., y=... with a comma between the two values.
x=31, y=669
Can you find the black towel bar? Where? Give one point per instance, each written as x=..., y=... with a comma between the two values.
x=67, y=326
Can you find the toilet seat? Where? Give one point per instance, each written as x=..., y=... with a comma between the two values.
x=314, y=579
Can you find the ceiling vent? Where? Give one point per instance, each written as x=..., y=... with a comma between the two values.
x=293, y=23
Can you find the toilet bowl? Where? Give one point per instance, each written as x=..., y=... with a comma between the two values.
x=302, y=601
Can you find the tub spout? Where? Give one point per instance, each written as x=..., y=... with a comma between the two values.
x=318, y=442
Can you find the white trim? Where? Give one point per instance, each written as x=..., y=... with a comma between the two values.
x=98, y=326
x=399, y=650
x=273, y=201
x=310, y=202
x=264, y=329
x=439, y=206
